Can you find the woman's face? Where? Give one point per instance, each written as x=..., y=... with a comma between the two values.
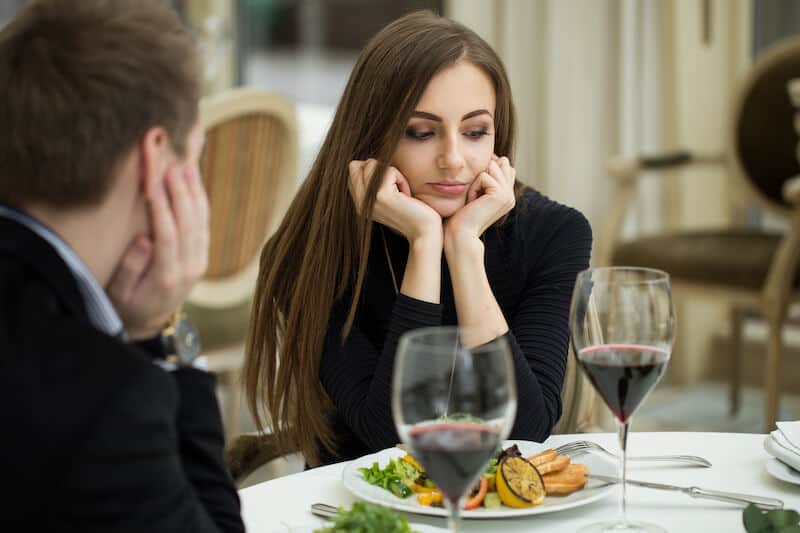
x=449, y=138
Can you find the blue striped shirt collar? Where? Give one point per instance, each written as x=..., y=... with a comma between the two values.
x=102, y=314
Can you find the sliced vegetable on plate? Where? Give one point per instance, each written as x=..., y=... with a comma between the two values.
x=509, y=479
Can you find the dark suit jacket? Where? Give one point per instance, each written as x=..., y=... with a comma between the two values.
x=95, y=437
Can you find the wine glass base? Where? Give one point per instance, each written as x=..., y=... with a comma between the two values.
x=622, y=527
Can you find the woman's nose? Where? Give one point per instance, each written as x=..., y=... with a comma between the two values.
x=450, y=157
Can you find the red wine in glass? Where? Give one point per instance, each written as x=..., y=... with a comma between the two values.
x=454, y=454
x=454, y=399
x=622, y=324
x=623, y=374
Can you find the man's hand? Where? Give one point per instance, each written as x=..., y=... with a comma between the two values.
x=158, y=271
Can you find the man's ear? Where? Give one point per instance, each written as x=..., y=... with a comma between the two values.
x=155, y=157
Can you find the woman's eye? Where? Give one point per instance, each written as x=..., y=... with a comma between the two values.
x=477, y=134
x=419, y=135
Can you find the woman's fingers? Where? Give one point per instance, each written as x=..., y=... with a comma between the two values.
x=400, y=181
x=508, y=171
x=476, y=187
x=496, y=172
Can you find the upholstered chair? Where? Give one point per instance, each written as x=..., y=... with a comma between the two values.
x=249, y=168
x=747, y=267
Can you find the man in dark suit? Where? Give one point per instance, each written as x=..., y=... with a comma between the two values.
x=108, y=422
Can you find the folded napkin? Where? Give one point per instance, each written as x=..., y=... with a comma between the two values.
x=784, y=443
x=791, y=432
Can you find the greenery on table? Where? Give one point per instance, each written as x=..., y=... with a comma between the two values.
x=775, y=521
x=392, y=476
x=367, y=518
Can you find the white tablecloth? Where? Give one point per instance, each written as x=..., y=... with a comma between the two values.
x=738, y=465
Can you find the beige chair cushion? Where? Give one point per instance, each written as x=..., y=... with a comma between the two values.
x=729, y=258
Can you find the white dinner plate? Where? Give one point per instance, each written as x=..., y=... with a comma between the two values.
x=354, y=482
x=420, y=528
x=783, y=471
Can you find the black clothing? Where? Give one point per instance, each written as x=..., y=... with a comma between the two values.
x=532, y=261
x=96, y=436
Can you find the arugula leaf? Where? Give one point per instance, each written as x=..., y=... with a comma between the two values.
x=367, y=518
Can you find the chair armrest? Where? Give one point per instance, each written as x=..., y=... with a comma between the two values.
x=791, y=191
x=628, y=167
x=625, y=170
x=668, y=160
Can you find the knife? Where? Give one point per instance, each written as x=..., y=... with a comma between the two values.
x=696, y=492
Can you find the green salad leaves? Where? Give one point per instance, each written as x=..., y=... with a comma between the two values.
x=392, y=478
x=367, y=518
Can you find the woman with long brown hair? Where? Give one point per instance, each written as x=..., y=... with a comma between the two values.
x=410, y=217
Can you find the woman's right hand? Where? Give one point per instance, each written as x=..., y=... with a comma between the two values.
x=394, y=206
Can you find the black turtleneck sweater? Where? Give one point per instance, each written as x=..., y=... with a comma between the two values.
x=532, y=260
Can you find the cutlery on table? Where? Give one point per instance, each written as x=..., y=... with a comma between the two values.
x=324, y=510
x=585, y=446
x=696, y=492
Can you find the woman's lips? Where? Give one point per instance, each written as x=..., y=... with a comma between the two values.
x=449, y=188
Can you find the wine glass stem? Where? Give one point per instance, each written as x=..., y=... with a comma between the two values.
x=623, y=470
x=454, y=520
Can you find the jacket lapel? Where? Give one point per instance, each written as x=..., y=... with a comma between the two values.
x=22, y=244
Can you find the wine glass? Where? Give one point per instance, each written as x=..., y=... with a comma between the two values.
x=454, y=402
x=622, y=323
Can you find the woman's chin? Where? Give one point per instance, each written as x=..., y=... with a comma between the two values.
x=446, y=207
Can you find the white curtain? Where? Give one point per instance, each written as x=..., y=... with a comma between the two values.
x=585, y=77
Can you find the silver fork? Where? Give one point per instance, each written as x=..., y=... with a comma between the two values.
x=579, y=447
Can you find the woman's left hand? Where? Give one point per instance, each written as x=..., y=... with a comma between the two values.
x=490, y=197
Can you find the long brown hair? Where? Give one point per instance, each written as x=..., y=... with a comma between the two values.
x=320, y=250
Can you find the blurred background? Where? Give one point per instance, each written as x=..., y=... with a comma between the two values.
x=592, y=80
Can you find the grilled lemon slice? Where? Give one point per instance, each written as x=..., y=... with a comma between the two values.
x=519, y=483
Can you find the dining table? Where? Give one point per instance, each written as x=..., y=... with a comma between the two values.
x=739, y=464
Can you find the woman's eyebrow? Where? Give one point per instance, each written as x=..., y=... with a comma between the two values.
x=476, y=113
x=437, y=118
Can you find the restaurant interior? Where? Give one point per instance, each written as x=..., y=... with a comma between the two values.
x=670, y=124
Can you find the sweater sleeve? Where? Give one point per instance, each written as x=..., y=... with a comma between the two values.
x=357, y=375
x=539, y=329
